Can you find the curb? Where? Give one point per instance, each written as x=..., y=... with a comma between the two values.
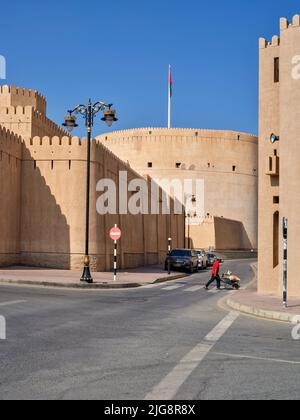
x=261, y=313
x=258, y=312
x=96, y=286
x=170, y=278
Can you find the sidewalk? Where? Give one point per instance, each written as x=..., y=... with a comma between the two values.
x=264, y=306
x=63, y=278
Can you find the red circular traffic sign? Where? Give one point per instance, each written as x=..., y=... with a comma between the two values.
x=115, y=234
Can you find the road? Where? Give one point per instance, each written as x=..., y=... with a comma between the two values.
x=170, y=340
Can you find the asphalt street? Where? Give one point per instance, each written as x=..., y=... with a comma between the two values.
x=171, y=340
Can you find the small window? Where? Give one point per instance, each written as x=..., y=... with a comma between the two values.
x=150, y=165
x=276, y=200
x=178, y=165
x=276, y=70
x=234, y=168
x=270, y=164
x=275, y=152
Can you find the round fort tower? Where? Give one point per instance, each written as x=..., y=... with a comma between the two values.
x=227, y=161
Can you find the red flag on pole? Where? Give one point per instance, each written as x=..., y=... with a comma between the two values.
x=170, y=83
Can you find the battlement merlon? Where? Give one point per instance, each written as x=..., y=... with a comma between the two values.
x=10, y=143
x=15, y=96
x=284, y=25
x=28, y=122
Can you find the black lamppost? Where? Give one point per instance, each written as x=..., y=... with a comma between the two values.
x=88, y=112
x=187, y=217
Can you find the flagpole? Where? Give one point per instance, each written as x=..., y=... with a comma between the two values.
x=169, y=98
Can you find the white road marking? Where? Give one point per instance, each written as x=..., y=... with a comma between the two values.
x=213, y=291
x=264, y=359
x=169, y=386
x=12, y=302
x=169, y=288
x=194, y=289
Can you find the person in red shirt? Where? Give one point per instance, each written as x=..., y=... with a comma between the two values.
x=215, y=275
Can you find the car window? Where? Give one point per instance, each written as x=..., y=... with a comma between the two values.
x=180, y=253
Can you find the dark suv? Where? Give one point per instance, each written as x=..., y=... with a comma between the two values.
x=183, y=259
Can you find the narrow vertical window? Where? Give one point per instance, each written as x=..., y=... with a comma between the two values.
x=270, y=164
x=276, y=70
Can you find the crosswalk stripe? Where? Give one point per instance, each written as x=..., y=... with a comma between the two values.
x=12, y=302
x=194, y=289
x=169, y=288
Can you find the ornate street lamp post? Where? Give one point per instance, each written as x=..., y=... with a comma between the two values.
x=88, y=112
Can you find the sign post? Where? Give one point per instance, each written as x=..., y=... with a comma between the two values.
x=115, y=235
x=169, y=253
x=285, y=254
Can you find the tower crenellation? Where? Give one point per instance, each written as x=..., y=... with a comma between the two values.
x=13, y=96
x=23, y=111
x=284, y=25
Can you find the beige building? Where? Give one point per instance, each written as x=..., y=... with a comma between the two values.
x=227, y=161
x=279, y=168
x=43, y=190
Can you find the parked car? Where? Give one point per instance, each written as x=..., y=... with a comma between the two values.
x=202, y=259
x=211, y=259
x=183, y=259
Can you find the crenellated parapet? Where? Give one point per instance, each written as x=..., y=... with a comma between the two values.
x=15, y=96
x=179, y=133
x=68, y=148
x=10, y=144
x=28, y=122
x=284, y=25
x=43, y=126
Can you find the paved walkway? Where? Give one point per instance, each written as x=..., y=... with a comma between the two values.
x=264, y=305
x=64, y=278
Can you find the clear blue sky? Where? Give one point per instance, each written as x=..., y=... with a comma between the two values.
x=119, y=52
